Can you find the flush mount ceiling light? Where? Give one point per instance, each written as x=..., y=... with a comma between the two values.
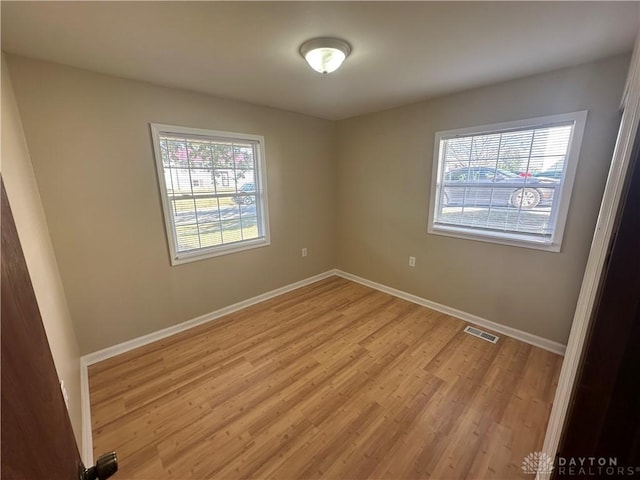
x=325, y=55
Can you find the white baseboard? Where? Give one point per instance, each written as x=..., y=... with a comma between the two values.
x=100, y=355
x=123, y=347
x=526, y=337
x=85, y=406
x=120, y=348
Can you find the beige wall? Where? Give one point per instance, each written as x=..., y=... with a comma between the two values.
x=354, y=192
x=384, y=171
x=90, y=144
x=22, y=191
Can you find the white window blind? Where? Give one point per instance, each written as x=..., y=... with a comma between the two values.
x=507, y=183
x=213, y=191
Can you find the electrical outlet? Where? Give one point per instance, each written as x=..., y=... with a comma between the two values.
x=304, y=252
x=412, y=261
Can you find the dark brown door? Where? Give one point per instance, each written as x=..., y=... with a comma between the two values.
x=604, y=418
x=37, y=440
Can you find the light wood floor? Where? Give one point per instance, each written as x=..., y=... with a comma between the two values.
x=334, y=380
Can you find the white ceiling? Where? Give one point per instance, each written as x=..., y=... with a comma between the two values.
x=402, y=51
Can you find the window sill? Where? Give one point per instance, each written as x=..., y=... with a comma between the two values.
x=513, y=240
x=193, y=256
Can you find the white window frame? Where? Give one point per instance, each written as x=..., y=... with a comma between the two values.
x=260, y=180
x=563, y=190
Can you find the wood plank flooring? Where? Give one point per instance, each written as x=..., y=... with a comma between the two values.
x=333, y=380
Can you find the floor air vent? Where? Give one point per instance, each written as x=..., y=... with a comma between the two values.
x=489, y=337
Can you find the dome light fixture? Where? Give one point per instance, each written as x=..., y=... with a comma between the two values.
x=325, y=55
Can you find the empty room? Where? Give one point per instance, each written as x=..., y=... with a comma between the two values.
x=304, y=240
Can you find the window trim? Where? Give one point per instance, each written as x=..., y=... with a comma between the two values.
x=564, y=190
x=260, y=179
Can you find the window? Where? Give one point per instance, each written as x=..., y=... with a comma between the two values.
x=507, y=183
x=213, y=191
